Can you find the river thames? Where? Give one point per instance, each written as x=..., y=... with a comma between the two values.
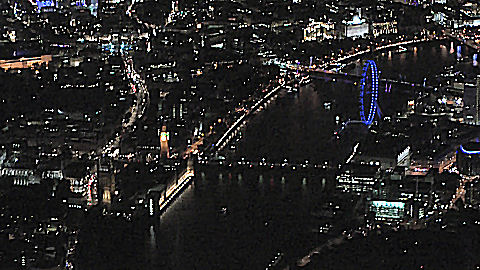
x=243, y=218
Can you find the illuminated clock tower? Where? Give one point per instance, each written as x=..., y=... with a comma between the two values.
x=164, y=136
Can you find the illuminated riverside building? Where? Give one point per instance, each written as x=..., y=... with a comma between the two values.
x=358, y=178
x=468, y=159
x=154, y=195
x=318, y=31
x=356, y=28
x=384, y=28
x=25, y=62
x=160, y=196
x=388, y=211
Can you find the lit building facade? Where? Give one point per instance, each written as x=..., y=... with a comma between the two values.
x=388, y=211
x=20, y=176
x=471, y=95
x=358, y=178
x=318, y=31
x=384, y=28
x=25, y=62
x=356, y=28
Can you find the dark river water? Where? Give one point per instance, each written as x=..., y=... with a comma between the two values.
x=267, y=213
x=270, y=211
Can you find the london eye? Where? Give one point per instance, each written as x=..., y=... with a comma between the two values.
x=368, y=92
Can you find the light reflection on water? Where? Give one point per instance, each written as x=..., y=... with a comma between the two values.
x=428, y=61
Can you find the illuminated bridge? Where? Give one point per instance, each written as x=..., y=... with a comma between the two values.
x=239, y=123
x=343, y=59
x=323, y=69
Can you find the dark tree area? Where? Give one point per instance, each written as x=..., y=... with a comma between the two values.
x=29, y=208
x=109, y=243
x=412, y=20
x=35, y=200
x=153, y=12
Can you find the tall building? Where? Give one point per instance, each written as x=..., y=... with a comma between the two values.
x=472, y=194
x=155, y=196
x=468, y=159
x=106, y=180
x=477, y=101
x=471, y=102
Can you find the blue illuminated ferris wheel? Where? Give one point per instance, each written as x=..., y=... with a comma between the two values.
x=368, y=92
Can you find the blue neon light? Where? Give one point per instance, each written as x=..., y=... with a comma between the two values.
x=373, y=91
x=46, y=3
x=469, y=152
x=80, y=3
x=115, y=48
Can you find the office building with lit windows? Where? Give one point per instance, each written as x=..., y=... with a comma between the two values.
x=471, y=100
x=387, y=211
x=358, y=178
